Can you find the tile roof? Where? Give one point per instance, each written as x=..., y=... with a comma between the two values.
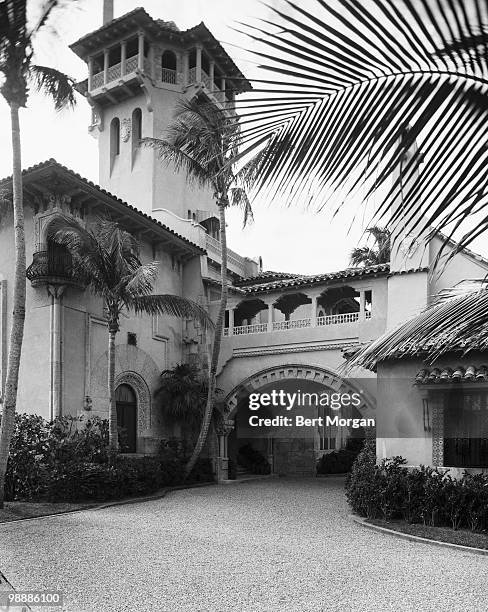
x=266, y=276
x=303, y=281
x=457, y=374
x=56, y=166
x=83, y=45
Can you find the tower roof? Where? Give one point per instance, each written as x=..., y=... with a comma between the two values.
x=159, y=30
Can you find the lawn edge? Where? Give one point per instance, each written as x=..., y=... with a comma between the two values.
x=413, y=538
x=118, y=502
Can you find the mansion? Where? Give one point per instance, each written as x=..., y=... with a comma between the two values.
x=281, y=329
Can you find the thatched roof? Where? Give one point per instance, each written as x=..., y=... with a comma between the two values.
x=457, y=321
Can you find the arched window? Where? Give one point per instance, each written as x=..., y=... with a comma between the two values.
x=136, y=132
x=126, y=405
x=168, y=67
x=114, y=140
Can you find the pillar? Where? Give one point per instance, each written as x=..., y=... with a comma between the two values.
x=90, y=73
x=123, y=57
x=140, y=51
x=270, y=317
x=313, y=312
x=223, y=458
x=56, y=292
x=222, y=86
x=198, y=71
x=362, y=305
x=105, y=66
x=152, y=58
x=185, y=68
x=231, y=321
x=212, y=75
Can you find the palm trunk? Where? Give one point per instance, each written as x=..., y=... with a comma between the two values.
x=219, y=328
x=18, y=316
x=113, y=440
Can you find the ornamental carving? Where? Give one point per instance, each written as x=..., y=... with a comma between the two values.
x=143, y=398
x=437, y=433
x=277, y=374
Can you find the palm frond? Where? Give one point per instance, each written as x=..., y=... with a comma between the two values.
x=141, y=280
x=457, y=321
x=181, y=161
x=374, y=79
x=172, y=305
x=238, y=197
x=57, y=85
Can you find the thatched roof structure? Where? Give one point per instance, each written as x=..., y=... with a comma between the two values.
x=457, y=321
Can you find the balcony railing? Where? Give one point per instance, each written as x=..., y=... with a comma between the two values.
x=53, y=267
x=233, y=258
x=296, y=324
x=115, y=72
x=338, y=319
x=168, y=76
x=259, y=328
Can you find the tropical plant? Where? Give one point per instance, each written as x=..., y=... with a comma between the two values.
x=182, y=392
x=107, y=259
x=203, y=141
x=353, y=86
x=457, y=320
x=372, y=256
x=17, y=73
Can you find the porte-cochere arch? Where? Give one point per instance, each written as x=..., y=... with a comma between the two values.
x=323, y=376
x=296, y=454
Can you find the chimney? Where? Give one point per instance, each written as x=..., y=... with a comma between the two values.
x=108, y=11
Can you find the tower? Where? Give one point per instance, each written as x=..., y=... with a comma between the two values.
x=138, y=69
x=408, y=284
x=409, y=249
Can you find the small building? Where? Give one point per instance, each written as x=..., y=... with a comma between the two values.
x=432, y=383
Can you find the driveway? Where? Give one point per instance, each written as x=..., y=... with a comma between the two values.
x=277, y=544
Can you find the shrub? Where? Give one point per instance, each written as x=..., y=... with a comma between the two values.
x=253, y=460
x=61, y=461
x=29, y=464
x=389, y=491
x=341, y=461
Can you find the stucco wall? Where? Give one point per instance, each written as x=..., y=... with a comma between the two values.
x=147, y=183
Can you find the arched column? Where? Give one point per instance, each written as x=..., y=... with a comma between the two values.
x=223, y=432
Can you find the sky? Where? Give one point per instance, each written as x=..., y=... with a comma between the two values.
x=288, y=239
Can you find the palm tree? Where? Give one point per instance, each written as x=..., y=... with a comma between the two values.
x=204, y=141
x=372, y=256
x=106, y=258
x=182, y=393
x=354, y=85
x=18, y=72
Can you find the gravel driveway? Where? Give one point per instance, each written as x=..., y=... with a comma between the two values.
x=277, y=544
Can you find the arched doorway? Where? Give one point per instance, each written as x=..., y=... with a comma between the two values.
x=295, y=450
x=126, y=405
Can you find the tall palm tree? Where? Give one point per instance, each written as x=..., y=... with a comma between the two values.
x=204, y=142
x=17, y=73
x=107, y=259
x=378, y=254
x=353, y=85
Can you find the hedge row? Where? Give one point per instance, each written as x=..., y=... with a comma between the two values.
x=64, y=461
x=424, y=495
